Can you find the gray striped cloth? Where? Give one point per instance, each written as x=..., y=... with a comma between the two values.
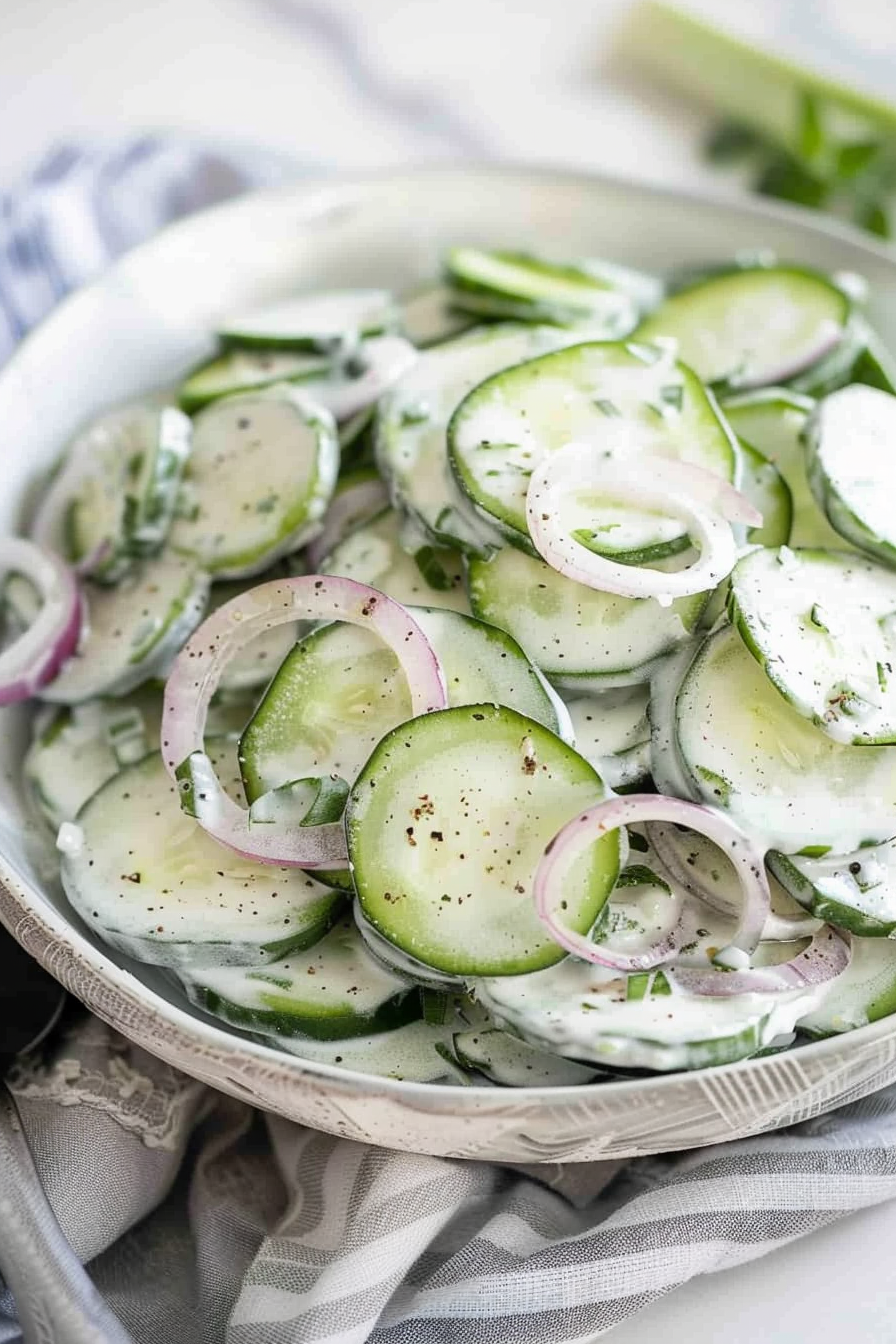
x=200, y=1220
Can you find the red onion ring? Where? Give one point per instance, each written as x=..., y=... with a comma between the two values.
x=778, y=928
x=197, y=672
x=589, y=826
x=361, y=500
x=36, y=656
x=707, y=503
x=827, y=956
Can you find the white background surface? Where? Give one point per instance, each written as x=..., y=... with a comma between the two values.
x=358, y=83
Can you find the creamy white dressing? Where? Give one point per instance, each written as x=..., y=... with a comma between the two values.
x=133, y=630
x=853, y=465
x=747, y=750
x=318, y=318
x=154, y=885
x=822, y=624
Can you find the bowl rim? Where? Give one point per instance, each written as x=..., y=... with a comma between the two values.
x=315, y=194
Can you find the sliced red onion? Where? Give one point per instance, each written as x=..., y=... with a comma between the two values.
x=197, y=672
x=777, y=929
x=349, y=507
x=707, y=505
x=827, y=956
x=589, y=826
x=36, y=656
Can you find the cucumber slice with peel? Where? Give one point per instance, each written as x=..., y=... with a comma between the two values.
x=623, y=399
x=132, y=631
x=150, y=882
x=331, y=991
x=446, y=824
x=822, y=624
x=851, y=453
x=519, y=285
x=510, y=1062
x=581, y=638
x=765, y=487
x=242, y=371
x=74, y=751
x=113, y=500
x=745, y=749
x=600, y=1017
x=855, y=891
x=317, y=321
x=750, y=328
x=341, y=691
x=262, y=473
x=412, y=421
x=774, y=421
x=418, y=1053
x=865, y=992
x=376, y=554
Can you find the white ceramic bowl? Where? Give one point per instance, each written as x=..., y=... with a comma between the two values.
x=144, y=323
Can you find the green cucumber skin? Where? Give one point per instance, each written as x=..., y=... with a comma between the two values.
x=398, y=1012
x=824, y=907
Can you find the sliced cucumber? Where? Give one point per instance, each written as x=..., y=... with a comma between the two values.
x=749, y=328
x=518, y=285
x=623, y=399
x=133, y=630
x=261, y=475
x=241, y=371
x=822, y=624
x=852, y=466
x=584, y=1012
x=510, y=1062
x=113, y=499
x=375, y=554
x=341, y=691
x=765, y=487
x=581, y=638
x=429, y=317
x=20, y=603
x=74, y=751
x=773, y=421
x=744, y=748
x=854, y=891
x=333, y=990
x=417, y=1053
x=865, y=992
x=412, y=421
x=150, y=881
x=445, y=826
x=611, y=731
x=314, y=321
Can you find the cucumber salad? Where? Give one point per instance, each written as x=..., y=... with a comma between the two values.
x=489, y=684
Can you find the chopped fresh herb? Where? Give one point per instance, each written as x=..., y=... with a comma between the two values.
x=607, y=407
x=639, y=875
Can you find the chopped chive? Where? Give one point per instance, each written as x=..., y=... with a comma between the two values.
x=607, y=407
